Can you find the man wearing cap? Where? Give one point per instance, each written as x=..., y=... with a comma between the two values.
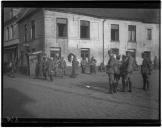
x=110, y=71
x=130, y=61
x=146, y=71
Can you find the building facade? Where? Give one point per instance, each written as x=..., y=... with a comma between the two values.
x=55, y=32
x=11, y=36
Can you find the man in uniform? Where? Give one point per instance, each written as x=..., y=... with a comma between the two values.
x=44, y=67
x=146, y=71
x=130, y=68
x=83, y=64
x=123, y=72
x=110, y=71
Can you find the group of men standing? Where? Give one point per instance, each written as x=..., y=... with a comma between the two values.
x=48, y=67
x=91, y=64
x=124, y=69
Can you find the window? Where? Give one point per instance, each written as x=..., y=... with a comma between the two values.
x=114, y=32
x=61, y=27
x=25, y=27
x=149, y=34
x=12, y=32
x=115, y=51
x=84, y=29
x=55, y=52
x=132, y=51
x=132, y=33
x=85, y=53
x=8, y=33
x=11, y=13
x=33, y=30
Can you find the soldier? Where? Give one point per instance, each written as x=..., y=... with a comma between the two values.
x=123, y=72
x=146, y=71
x=117, y=71
x=74, y=67
x=44, y=68
x=110, y=71
x=62, y=66
x=83, y=64
x=51, y=68
x=130, y=68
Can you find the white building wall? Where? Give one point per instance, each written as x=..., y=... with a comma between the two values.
x=73, y=43
x=141, y=44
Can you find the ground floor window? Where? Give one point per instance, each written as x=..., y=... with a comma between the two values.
x=133, y=52
x=115, y=51
x=55, y=52
x=85, y=53
x=147, y=53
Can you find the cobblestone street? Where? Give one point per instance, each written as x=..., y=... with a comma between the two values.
x=83, y=97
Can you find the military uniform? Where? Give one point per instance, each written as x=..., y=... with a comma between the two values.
x=110, y=72
x=51, y=69
x=130, y=62
x=83, y=65
x=45, y=68
x=146, y=71
x=123, y=72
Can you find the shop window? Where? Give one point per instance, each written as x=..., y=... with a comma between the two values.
x=114, y=32
x=84, y=29
x=61, y=27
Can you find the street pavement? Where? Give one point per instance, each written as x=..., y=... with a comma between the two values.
x=85, y=96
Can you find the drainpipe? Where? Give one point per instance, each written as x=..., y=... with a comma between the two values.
x=103, y=40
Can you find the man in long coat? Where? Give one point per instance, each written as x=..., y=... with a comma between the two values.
x=146, y=71
x=110, y=71
x=130, y=68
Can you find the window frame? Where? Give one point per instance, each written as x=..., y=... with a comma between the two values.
x=85, y=49
x=25, y=33
x=8, y=34
x=118, y=33
x=12, y=31
x=85, y=38
x=149, y=38
x=57, y=29
x=32, y=31
x=133, y=41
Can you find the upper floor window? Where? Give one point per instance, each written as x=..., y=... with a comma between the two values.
x=33, y=30
x=11, y=13
x=61, y=27
x=8, y=33
x=114, y=32
x=132, y=33
x=149, y=34
x=25, y=32
x=84, y=29
x=12, y=31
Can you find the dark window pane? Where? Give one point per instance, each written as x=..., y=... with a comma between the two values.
x=114, y=32
x=62, y=27
x=84, y=29
x=132, y=33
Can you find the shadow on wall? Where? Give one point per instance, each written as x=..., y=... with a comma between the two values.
x=13, y=104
